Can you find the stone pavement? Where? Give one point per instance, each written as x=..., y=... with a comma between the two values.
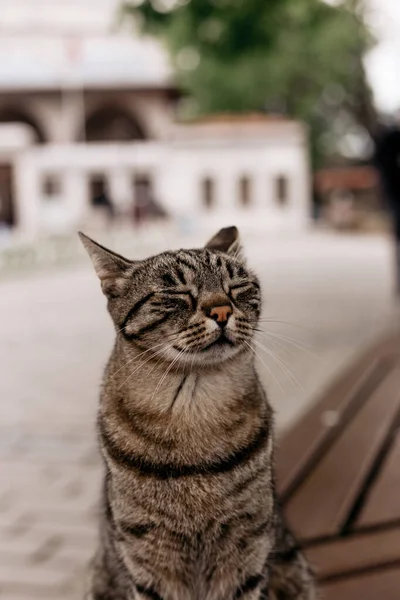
x=325, y=297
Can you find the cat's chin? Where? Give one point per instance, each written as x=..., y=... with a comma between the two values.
x=212, y=355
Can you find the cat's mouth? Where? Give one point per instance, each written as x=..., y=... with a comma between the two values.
x=220, y=346
x=221, y=342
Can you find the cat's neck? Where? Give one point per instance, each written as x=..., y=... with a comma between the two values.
x=144, y=379
x=155, y=388
x=185, y=415
x=188, y=415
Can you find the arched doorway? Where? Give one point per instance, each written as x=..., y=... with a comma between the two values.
x=12, y=114
x=18, y=129
x=114, y=124
x=7, y=208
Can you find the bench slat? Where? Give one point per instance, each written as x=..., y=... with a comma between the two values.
x=322, y=504
x=357, y=553
x=298, y=447
x=383, y=503
x=384, y=585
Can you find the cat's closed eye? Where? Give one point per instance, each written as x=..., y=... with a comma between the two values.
x=242, y=291
x=176, y=297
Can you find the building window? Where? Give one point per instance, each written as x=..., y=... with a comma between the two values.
x=51, y=186
x=97, y=189
x=282, y=190
x=208, y=193
x=142, y=191
x=245, y=191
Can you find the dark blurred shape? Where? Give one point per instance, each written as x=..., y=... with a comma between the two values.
x=16, y=113
x=282, y=189
x=208, y=192
x=387, y=159
x=112, y=123
x=101, y=201
x=245, y=191
x=7, y=216
x=51, y=186
x=145, y=205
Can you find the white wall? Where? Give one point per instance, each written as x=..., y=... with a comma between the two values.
x=176, y=170
x=261, y=163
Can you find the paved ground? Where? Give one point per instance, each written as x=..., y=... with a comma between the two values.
x=325, y=297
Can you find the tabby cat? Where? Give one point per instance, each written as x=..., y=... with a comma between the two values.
x=186, y=433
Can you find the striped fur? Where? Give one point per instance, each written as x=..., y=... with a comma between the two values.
x=186, y=434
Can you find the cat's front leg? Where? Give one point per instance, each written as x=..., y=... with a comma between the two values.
x=291, y=577
x=145, y=594
x=248, y=586
x=253, y=587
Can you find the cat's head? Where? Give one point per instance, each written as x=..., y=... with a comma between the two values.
x=194, y=307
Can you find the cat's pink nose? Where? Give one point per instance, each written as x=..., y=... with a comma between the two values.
x=220, y=314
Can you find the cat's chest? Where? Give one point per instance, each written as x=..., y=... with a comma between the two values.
x=187, y=504
x=186, y=501
x=199, y=398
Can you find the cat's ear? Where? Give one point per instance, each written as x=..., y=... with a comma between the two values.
x=112, y=269
x=226, y=240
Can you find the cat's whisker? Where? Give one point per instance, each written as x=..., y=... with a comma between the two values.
x=282, y=365
x=237, y=252
x=289, y=341
x=183, y=351
x=285, y=338
x=264, y=363
x=139, y=366
x=162, y=379
x=191, y=371
x=161, y=351
x=135, y=357
x=120, y=330
x=196, y=333
x=248, y=327
x=172, y=337
x=278, y=346
x=283, y=322
x=192, y=330
x=161, y=358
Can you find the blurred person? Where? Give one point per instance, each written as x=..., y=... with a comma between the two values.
x=387, y=161
x=341, y=211
x=317, y=203
x=141, y=201
x=103, y=205
x=139, y=214
x=156, y=210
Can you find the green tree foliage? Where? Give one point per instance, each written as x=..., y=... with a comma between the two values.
x=300, y=57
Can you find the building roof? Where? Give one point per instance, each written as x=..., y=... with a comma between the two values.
x=228, y=118
x=348, y=178
x=117, y=61
x=238, y=126
x=56, y=17
x=75, y=43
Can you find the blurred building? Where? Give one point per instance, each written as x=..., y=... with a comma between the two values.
x=87, y=121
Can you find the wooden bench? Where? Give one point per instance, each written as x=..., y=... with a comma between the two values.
x=339, y=480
